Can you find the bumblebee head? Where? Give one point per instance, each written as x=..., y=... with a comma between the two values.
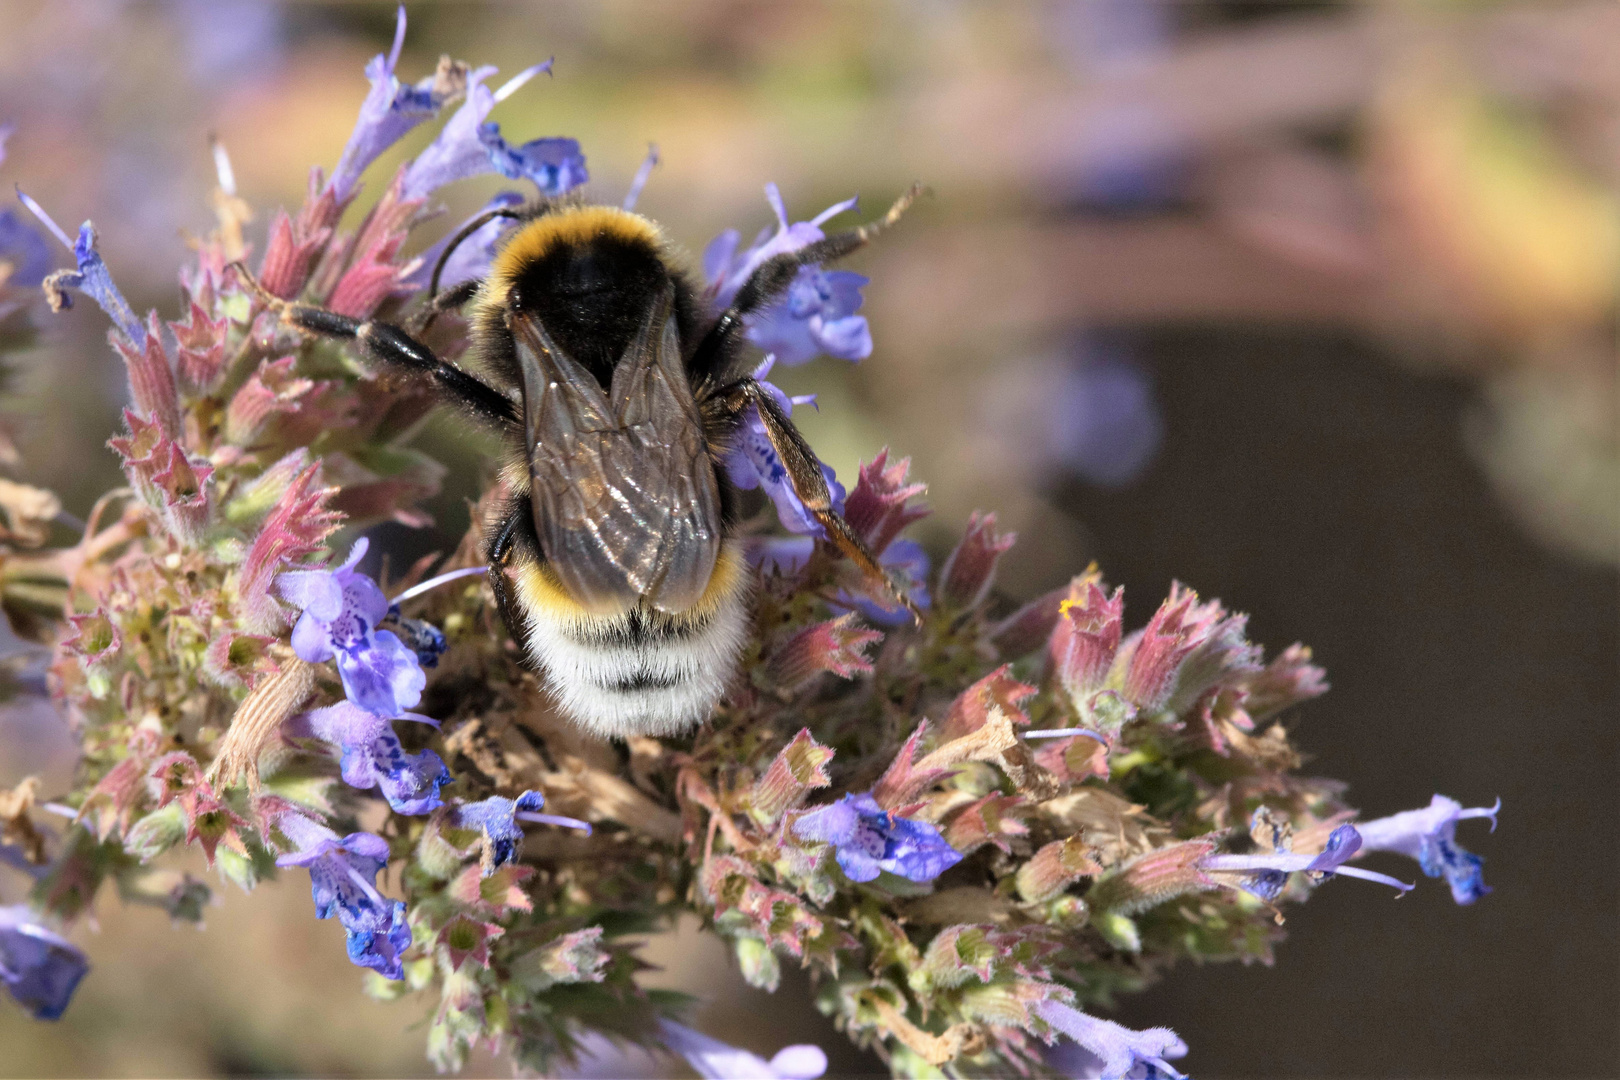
x=589, y=273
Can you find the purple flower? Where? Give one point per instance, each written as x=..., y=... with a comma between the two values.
x=91, y=277
x=389, y=111
x=341, y=609
x=816, y=316
x=1124, y=1054
x=372, y=757
x=342, y=878
x=469, y=146
x=1429, y=836
x=40, y=968
x=869, y=840
x=23, y=252
x=752, y=462
x=497, y=818
x=473, y=255
x=1267, y=874
x=818, y=313
x=715, y=1060
x=727, y=269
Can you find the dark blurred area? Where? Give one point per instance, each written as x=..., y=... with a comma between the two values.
x=1309, y=306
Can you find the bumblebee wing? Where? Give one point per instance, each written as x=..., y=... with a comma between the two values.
x=624, y=495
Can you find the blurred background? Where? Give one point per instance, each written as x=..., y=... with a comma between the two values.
x=1310, y=306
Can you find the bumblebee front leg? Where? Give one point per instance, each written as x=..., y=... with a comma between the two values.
x=389, y=344
x=805, y=476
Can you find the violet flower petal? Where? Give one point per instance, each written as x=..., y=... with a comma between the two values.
x=389, y=111
x=1122, y=1050
x=1429, y=836
x=715, y=1060
x=91, y=276
x=41, y=969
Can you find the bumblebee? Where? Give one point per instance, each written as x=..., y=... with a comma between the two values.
x=614, y=563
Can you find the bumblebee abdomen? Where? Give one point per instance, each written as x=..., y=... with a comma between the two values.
x=645, y=672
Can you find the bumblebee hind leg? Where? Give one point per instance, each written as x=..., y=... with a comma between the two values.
x=514, y=543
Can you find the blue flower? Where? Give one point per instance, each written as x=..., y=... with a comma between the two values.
x=372, y=757
x=817, y=315
x=469, y=146
x=714, y=1060
x=40, y=968
x=497, y=818
x=869, y=839
x=1124, y=1054
x=341, y=609
x=1430, y=836
x=342, y=878
x=91, y=277
x=752, y=462
x=389, y=111
x=1266, y=874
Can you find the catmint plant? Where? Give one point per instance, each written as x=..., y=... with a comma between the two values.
x=971, y=830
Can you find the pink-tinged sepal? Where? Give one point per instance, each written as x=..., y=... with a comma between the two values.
x=151, y=381
x=296, y=242
x=373, y=274
x=139, y=451
x=1225, y=658
x=994, y=819
x=837, y=645
x=184, y=487
x=200, y=353
x=902, y=781
x=970, y=570
x=495, y=894
x=271, y=390
x=570, y=958
x=1289, y=679
x=997, y=690
x=1154, y=655
x=112, y=803
x=797, y=770
x=1054, y=867
x=1030, y=627
x=1074, y=758
x=468, y=939
x=209, y=821
x=297, y=525
x=95, y=640
x=1085, y=641
x=1152, y=878
x=880, y=507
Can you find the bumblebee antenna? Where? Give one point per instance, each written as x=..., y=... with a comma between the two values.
x=456, y=241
